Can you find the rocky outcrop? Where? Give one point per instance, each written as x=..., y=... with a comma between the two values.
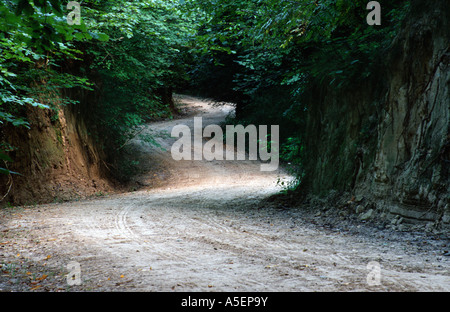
x=388, y=140
x=412, y=158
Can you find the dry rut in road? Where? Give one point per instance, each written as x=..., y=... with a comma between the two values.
x=203, y=228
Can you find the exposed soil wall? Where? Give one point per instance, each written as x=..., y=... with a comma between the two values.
x=56, y=157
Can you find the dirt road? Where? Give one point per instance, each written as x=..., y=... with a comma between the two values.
x=200, y=226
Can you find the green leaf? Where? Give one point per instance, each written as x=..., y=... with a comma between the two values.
x=6, y=171
x=5, y=157
x=24, y=6
x=99, y=36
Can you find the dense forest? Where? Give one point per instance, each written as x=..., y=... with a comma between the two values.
x=356, y=94
x=315, y=67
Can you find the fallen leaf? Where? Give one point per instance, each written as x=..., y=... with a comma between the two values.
x=43, y=277
x=36, y=287
x=122, y=276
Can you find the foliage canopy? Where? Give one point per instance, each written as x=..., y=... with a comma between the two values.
x=129, y=55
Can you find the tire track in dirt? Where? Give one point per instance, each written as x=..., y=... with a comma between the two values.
x=173, y=242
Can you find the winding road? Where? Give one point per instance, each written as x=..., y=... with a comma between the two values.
x=202, y=228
